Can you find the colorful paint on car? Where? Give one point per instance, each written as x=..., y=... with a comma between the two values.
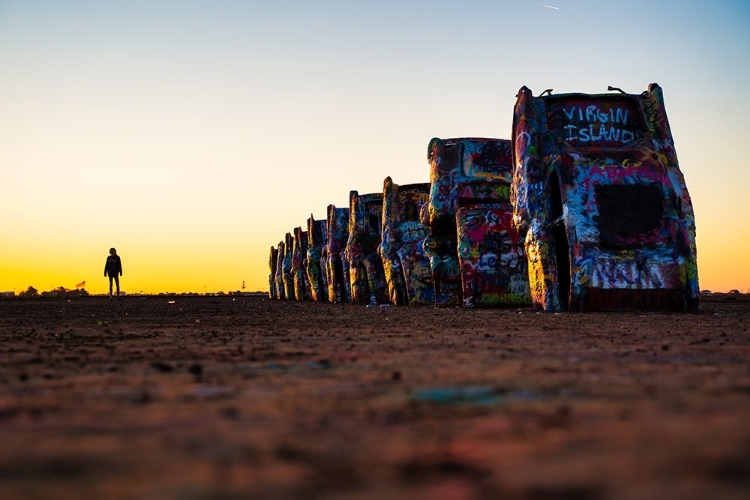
x=366, y=272
x=315, y=265
x=299, y=265
x=286, y=269
x=273, y=257
x=279, y=292
x=337, y=267
x=406, y=266
x=453, y=164
x=602, y=203
x=494, y=271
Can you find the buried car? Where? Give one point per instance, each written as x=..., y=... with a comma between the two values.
x=279, y=272
x=315, y=264
x=494, y=271
x=272, y=262
x=287, y=274
x=299, y=265
x=336, y=265
x=480, y=169
x=602, y=204
x=406, y=266
x=366, y=272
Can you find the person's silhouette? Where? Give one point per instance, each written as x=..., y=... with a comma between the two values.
x=113, y=269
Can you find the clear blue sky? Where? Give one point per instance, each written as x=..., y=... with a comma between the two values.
x=192, y=135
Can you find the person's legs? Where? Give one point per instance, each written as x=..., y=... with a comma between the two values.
x=110, y=284
x=117, y=282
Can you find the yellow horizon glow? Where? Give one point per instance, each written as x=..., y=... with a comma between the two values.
x=193, y=139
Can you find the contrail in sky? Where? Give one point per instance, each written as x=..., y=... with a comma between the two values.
x=549, y=6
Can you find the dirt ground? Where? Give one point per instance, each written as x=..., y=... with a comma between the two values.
x=221, y=397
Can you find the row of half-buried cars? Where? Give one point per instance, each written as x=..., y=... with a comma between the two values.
x=584, y=209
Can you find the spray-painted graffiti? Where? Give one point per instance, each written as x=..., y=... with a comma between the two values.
x=405, y=264
x=606, y=216
x=336, y=266
x=420, y=287
x=586, y=122
x=588, y=210
x=287, y=273
x=315, y=265
x=469, y=181
x=490, y=251
x=272, y=261
x=366, y=273
x=299, y=265
x=280, y=293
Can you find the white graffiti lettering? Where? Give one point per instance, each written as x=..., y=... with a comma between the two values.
x=593, y=113
x=603, y=133
x=592, y=123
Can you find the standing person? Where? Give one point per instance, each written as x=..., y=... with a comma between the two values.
x=113, y=269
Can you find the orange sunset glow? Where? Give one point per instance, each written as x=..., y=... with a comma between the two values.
x=192, y=137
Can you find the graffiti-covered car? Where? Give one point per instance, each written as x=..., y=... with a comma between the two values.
x=483, y=275
x=272, y=261
x=337, y=267
x=280, y=293
x=494, y=271
x=299, y=265
x=315, y=265
x=273, y=258
x=286, y=267
x=602, y=203
x=366, y=273
x=406, y=266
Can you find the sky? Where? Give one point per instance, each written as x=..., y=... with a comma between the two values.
x=192, y=135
